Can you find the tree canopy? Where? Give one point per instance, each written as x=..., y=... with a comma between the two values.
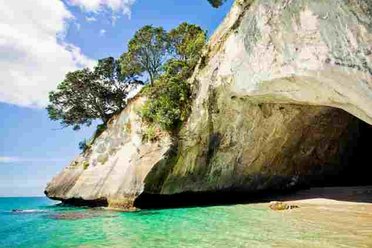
x=147, y=51
x=164, y=59
x=86, y=94
x=170, y=96
x=151, y=48
x=186, y=42
x=216, y=3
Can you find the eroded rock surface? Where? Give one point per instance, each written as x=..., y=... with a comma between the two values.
x=278, y=94
x=112, y=171
x=306, y=52
x=268, y=96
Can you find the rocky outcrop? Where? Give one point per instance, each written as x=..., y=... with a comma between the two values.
x=278, y=94
x=112, y=171
x=279, y=206
x=253, y=146
x=305, y=52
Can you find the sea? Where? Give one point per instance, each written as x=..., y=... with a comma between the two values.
x=39, y=222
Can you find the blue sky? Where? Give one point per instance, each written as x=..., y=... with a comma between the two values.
x=44, y=39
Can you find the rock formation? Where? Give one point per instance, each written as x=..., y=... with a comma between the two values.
x=279, y=206
x=279, y=96
x=112, y=171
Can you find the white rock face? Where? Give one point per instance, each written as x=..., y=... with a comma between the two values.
x=270, y=92
x=114, y=168
x=303, y=52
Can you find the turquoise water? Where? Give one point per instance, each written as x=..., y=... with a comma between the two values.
x=46, y=225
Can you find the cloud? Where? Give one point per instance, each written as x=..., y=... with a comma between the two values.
x=90, y=19
x=95, y=6
x=114, y=19
x=34, y=57
x=102, y=32
x=14, y=160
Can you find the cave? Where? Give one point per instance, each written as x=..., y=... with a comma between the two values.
x=351, y=167
x=357, y=162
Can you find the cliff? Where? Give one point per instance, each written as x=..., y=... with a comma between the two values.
x=282, y=96
x=112, y=171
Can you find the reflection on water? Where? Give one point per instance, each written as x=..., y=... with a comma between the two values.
x=250, y=225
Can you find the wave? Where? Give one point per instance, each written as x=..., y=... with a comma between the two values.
x=28, y=211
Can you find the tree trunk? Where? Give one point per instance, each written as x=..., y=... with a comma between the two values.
x=151, y=78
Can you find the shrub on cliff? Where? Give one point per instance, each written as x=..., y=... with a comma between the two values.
x=163, y=59
x=170, y=95
x=169, y=102
x=87, y=144
x=216, y=3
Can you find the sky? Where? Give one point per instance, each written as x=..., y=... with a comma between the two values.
x=42, y=40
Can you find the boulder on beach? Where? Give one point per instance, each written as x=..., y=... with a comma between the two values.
x=275, y=205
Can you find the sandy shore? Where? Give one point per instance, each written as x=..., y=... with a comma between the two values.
x=331, y=196
x=330, y=217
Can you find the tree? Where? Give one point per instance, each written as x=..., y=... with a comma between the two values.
x=170, y=97
x=147, y=51
x=86, y=95
x=186, y=41
x=216, y=3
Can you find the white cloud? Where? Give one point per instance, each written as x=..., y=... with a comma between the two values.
x=102, y=32
x=114, y=19
x=90, y=19
x=14, y=160
x=33, y=54
x=116, y=6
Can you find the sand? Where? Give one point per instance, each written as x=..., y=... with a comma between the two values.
x=339, y=217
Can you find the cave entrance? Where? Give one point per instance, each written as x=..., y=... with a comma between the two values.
x=343, y=158
x=357, y=160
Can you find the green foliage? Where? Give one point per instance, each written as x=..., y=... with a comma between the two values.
x=187, y=40
x=86, y=95
x=84, y=145
x=170, y=96
x=167, y=59
x=100, y=129
x=150, y=133
x=85, y=165
x=169, y=103
x=147, y=51
x=216, y=3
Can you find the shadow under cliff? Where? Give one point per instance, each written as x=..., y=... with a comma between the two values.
x=356, y=170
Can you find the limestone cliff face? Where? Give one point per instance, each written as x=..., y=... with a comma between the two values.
x=113, y=169
x=260, y=118
x=278, y=94
x=305, y=52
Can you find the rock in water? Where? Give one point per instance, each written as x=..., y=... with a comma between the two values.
x=278, y=93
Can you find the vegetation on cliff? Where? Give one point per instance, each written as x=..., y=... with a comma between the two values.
x=147, y=51
x=162, y=60
x=216, y=3
x=86, y=95
x=153, y=55
x=170, y=96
